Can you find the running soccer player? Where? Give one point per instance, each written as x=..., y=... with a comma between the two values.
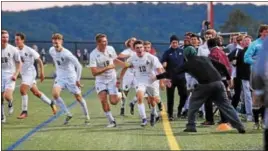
x=129, y=79
x=68, y=74
x=102, y=65
x=11, y=65
x=28, y=75
x=144, y=65
x=148, y=48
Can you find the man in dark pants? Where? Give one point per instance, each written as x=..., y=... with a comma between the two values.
x=172, y=58
x=210, y=87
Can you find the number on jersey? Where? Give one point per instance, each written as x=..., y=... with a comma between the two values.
x=142, y=68
x=106, y=63
x=4, y=59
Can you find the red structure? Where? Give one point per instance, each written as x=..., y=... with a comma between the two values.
x=210, y=13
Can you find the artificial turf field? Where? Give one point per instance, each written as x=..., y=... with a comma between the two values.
x=128, y=135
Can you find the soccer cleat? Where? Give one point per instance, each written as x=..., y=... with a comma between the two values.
x=23, y=115
x=256, y=126
x=54, y=108
x=122, y=111
x=241, y=130
x=131, y=105
x=67, y=119
x=10, y=110
x=171, y=118
x=190, y=130
x=144, y=122
x=160, y=106
x=112, y=124
x=152, y=120
x=87, y=122
x=207, y=123
x=3, y=119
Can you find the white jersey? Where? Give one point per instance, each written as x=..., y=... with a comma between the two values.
x=102, y=59
x=28, y=56
x=67, y=65
x=9, y=56
x=128, y=52
x=144, y=67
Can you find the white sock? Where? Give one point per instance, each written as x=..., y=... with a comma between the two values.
x=154, y=111
x=141, y=108
x=45, y=99
x=62, y=105
x=24, y=102
x=109, y=116
x=84, y=107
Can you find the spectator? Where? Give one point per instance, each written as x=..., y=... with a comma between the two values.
x=35, y=62
x=85, y=57
x=172, y=58
x=232, y=46
x=203, y=49
x=43, y=56
x=78, y=54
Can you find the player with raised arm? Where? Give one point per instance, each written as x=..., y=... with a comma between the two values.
x=28, y=75
x=68, y=74
x=129, y=79
x=144, y=65
x=102, y=60
x=11, y=65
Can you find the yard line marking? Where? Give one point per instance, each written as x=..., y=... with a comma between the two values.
x=51, y=119
x=173, y=145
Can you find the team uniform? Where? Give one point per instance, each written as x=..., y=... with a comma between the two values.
x=144, y=67
x=28, y=76
x=68, y=72
x=129, y=80
x=107, y=80
x=10, y=55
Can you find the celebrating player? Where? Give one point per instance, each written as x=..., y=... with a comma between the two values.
x=11, y=65
x=28, y=75
x=102, y=60
x=68, y=74
x=144, y=65
x=129, y=79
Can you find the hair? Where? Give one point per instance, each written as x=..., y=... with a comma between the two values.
x=127, y=43
x=21, y=35
x=137, y=42
x=219, y=39
x=248, y=36
x=262, y=28
x=194, y=35
x=212, y=42
x=240, y=38
x=147, y=43
x=4, y=32
x=188, y=34
x=99, y=36
x=57, y=36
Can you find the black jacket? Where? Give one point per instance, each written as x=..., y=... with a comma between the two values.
x=203, y=69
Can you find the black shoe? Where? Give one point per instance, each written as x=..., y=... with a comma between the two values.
x=131, y=105
x=190, y=130
x=152, y=120
x=207, y=123
x=184, y=113
x=171, y=118
x=122, y=111
x=160, y=106
x=241, y=131
x=201, y=114
x=179, y=113
x=157, y=119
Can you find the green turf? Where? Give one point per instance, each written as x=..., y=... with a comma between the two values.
x=128, y=135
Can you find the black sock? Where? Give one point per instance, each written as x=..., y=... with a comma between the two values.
x=256, y=115
x=262, y=112
x=10, y=104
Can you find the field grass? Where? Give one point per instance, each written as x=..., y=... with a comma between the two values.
x=127, y=136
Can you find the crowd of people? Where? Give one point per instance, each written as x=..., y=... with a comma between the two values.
x=208, y=76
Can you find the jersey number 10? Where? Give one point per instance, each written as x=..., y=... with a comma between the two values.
x=4, y=60
x=142, y=68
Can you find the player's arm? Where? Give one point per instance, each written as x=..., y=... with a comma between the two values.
x=123, y=71
x=18, y=65
x=97, y=70
x=77, y=66
x=41, y=66
x=164, y=60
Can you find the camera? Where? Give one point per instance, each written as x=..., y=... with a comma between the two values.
x=207, y=23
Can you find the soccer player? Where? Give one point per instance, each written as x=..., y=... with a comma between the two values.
x=129, y=79
x=144, y=65
x=68, y=74
x=102, y=65
x=11, y=65
x=148, y=48
x=28, y=75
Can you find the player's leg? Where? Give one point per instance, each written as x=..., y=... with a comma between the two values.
x=24, y=100
x=153, y=95
x=44, y=98
x=83, y=104
x=59, y=101
x=125, y=90
x=141, y=107
x=114, y=95
x=8, y=95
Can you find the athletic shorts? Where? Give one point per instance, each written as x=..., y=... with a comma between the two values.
x=7, y=83
x=128, y=82
x=28, y=79
x=152, y=90
x=110, y=87
x=69, y=84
